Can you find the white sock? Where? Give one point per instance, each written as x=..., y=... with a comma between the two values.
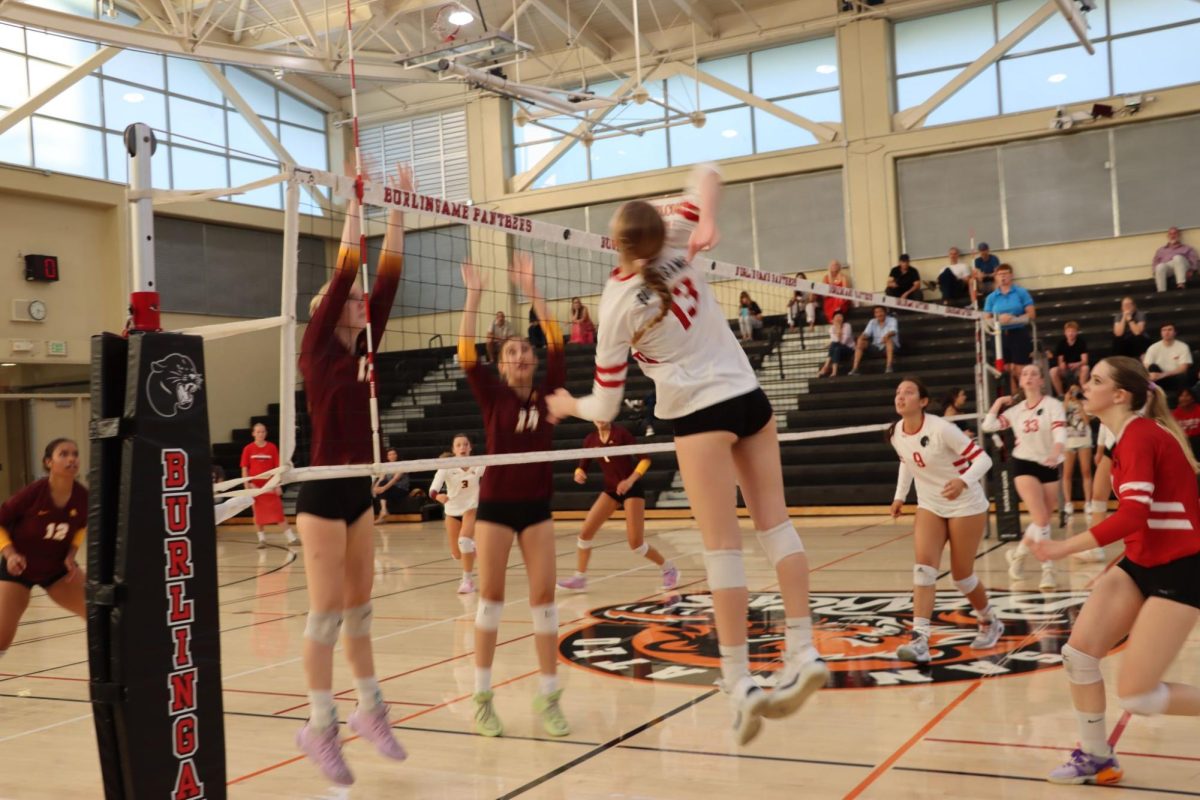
x=290, y=534
x=735, y=664
x=1044, y=532
x=262, y=537
x=370, y=696
x=483, y=679
x=548, y=683
x=666, y=565
x=1093, y=733
x=921, y=626
x=579, y=574
x=798, y=634
x=322, y=712
x=987, y=614
x=466, y=573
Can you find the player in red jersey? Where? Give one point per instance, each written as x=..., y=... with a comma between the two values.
x=1153, y=596
x=258, y=457
x=335, y=516
x=622, y=489
x=41, y=528
x=514, y=500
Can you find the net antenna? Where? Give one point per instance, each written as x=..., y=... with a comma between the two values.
x=1076, y=12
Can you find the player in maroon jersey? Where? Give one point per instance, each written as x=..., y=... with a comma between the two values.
x=622, y=489
x=335, y=516
x=514, y=500
x=258, y=457
x=1153, y=596
x=41, y=528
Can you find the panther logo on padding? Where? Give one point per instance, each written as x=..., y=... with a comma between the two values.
x=857, y=633
x=173, y=384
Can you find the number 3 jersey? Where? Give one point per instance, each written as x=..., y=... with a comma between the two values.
x=40, y=530
x=1037, y=428
x=936, y=454
x=462, y=488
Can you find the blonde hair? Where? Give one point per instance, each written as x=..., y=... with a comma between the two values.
x=316, y=298
x=640, y=234
x=1130, y=375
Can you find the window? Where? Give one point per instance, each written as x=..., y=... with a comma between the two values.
x=435, y=145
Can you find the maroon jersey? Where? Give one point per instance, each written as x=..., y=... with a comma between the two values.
x=40, y=530
x=615, y=468
x=1159, y=512
x=514, y=425
x=335, y=378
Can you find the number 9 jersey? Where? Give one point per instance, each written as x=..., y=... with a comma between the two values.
x=936, y=454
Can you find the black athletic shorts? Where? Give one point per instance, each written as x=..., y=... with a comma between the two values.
x=1017, y=345
x=28, y=579
x=452, y=516
x=343, y=499
x=1175, y=580
x=1043, y=473
x=634, y=491
x=517, y=515
x=742, y=416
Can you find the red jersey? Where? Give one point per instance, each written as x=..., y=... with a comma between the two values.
x=1188, y=419
x=257, y=460
x=42, y=531
x=1159, y=511
x=514, y=425
x=616, y=468
x=335, y=378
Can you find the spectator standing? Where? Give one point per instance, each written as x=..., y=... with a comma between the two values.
x=1168, y=361
x=258, y=457
x=1174, y=256
x=1187, y=414
x=583, y=330
x=1070, y=360
x=802, y=303
x=984, y=275
x=500, y=330
x=1129, y=330
x=1079, y=448
x=750, y=316
x=904, y=281
x=882, y=335
x=841, y=345
x=953, y=278
x=1012, y=307
x=836, y=277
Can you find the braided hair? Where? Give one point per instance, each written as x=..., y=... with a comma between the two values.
x=639, y=233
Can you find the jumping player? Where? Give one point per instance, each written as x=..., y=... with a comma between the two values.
x=622, y=489
x=514, y=500
x=461, y=499
x=725, y=433
x=258, y=457
x=1152, y=597
x=41, y=529
x=335, y=516
x=1040, y=425
x=951, y=507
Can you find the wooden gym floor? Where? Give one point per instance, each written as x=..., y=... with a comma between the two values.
x=971, y=727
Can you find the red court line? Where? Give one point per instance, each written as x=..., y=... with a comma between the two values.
x=912, y=740
x=840, y=559
x=1120, y=728
x=1060, y=749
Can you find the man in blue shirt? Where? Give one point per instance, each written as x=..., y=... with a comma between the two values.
x=882, y=335
x=1012, y=307
x=984, y=274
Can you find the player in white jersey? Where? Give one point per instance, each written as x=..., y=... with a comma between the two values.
x=947, y=466
x=1040, y=425
x=461, y=499
x=725, y=433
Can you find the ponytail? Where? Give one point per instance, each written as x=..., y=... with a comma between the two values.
x=1129, y=374
x=656, y=282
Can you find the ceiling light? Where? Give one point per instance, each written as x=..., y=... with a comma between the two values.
x=1068, y=270
x=459, y=15
x=8, y=364
x=1057, y=77
x=826, y=69
x=133, y=97
x=729, y=133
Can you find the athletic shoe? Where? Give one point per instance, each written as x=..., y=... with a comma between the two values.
x=670, y=577
x=486, y=721
x=799, y=680
x=1048, y=583
x=990, y=632
x=748, y=705
x=1087, y=768
x=889, y=369
x=325, y=749
x=576, y=583
x=467, y=586
x=649, y=431
x=1069, y=509
x=547, y=707
x=292, y=538
x=1093, y=556
x=262, y=541
x=376, y=728
x=853, y=372
x=916, y=650
x=1016, y=563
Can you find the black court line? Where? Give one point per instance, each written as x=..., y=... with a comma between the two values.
x=992, y=775
x=789, y=759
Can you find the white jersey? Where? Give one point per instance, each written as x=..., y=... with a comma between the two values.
x=936, y=454
x=1038, y=428
x=691, y=355
x=462, y=488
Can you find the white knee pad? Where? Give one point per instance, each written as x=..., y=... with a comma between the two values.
x=358, y=621
x=780, y=542
x=545, y=619
x=924, y=575
x=967, y=584
x=583, y=544
x=642, y=550
x=725, y=569
x=1080, y=667
x=322, y=627
x=466, y=545
x=1154, y=701
x=487, y=616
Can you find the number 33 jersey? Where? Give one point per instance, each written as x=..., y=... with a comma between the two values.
x=42, y=531
x=1037, y=428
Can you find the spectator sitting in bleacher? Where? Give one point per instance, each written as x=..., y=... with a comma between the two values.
x=904, y=281
x=1070, y=360
x=750, y=317
x=952, y=280
x=583, y=330
x=841, y=345
x=836, y=277
x=1012, y=307
x=1129, y=330
x=802, y=308
x=1168, y=361
x=983, y=277
x=1174, y=256
x=391, y=489
x=882, y=335
x=954, y=403
x=1187, y=414
x=500, y=330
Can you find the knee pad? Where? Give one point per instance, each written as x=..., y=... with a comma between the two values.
x=1154, y=701
x=487, y=616
x=725, y=569
x=466, y=545
x=583, y=544
x=545, y=619
x=641, y=550
x=780, y=542
x=323, y=627
x=967, y=584
x=357, y=621
x=1081, y=668
x=924, y=575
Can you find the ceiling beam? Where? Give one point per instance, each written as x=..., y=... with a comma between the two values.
x=313, y=92
x=700, y=14
x=69, y=79
x=552, y=11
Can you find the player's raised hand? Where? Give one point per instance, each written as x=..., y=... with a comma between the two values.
x=403, y=179
x=521, y=273
x=472, y=277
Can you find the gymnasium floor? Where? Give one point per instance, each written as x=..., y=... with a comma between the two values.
x=951, y=733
